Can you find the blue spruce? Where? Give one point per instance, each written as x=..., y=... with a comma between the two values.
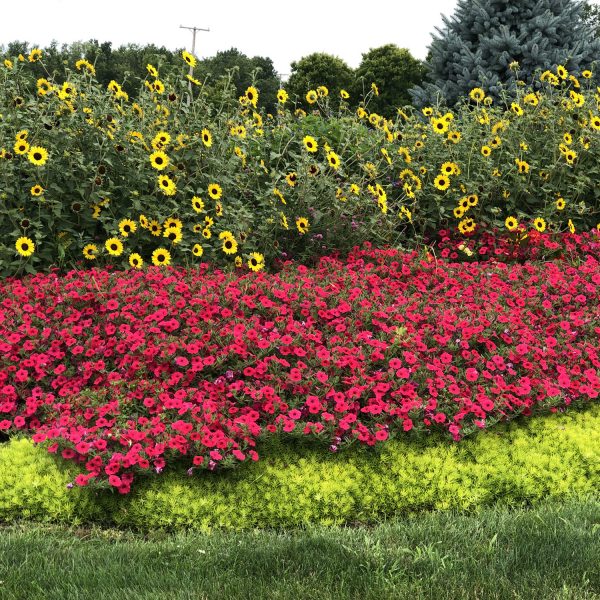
x=483, y=37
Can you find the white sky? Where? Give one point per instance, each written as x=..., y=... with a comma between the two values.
x=282, y=30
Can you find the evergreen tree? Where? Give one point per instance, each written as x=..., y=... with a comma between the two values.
x=483, y=37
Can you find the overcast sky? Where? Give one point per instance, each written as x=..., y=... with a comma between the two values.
x=282, y=30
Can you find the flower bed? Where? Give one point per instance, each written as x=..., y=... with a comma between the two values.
x=125, y=372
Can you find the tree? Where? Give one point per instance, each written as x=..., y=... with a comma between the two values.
x=483, y=37
x=245, y=71
x=319, y=69
x=394, y=70
x=591, y=15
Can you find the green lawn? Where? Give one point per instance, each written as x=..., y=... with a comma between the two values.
x=552, y=551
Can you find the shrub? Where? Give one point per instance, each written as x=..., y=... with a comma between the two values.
x=554, y=456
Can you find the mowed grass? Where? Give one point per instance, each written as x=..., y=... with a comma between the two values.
x=550, y=552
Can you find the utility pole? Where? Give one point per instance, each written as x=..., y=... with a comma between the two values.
x=194, y=30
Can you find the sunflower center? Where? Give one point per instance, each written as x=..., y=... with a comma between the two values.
x=160, y=258
x=25, y=246
x=37, y=156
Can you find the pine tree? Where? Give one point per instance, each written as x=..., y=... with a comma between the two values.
x=483, y=37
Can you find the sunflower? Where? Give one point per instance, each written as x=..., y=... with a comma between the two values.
x=511, y=223
x=344, y=95
x=172, y=223
x=486, y=151
x=333, y=159
x=136, y=261
x=90, y=251
x=127, y=226
x=197, y=204
x=43, y=86
x=229, y=245
x=159, y=160
x=197, y=250
x=37, y=155
x=570, y=156
x=516, y=109
x=158, y=86
x=291, y=178
x=22, y=135
x=375, y=89
x=21, y=147
x=256, y=262
x=473, y=200
x=539, y=224
x=25, y=246
x=219, y=209
x=37, y=190
x=190, y=59
x=215, y=191
x=439, y=125
x=522, y=165
x=595, y=123
x=311, y=96
x=114, y=246
x=450, y=168
x=152, y=70
x=310, y=143
x=143, y=221
x=302, y=225
x=442, y=182
x=571, y=226
x=562, y=72
x=466, y=226
x=173, y=235
x=560, y=203
x=35, y=55
x=206, y=233
x=458, y=211
x=160, y=140
x=206, y=138
x=167, y=185
x=155, y=227
x=208, y=221
x=282, y=96
x=477, y=94
x=161, y=256
x=84, y=64
x=454, y=136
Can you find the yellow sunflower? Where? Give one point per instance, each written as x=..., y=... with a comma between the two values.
x=252, y=95
x=206, y=138
x=37, y=155
x=302, y=225
x=539, y=224
x=477, y=94
x=161, y=257
x=190, y=59
x=35, y=55
x=197, y=204
x=167, y=185
x=310, y=143
x=37, y=190
x=114, y=246
x=291, y=178
x=442, y=182
x=256, y=262
x=229, y=245
x=215, y=191
x=197, y=250
x=155, y=227
x=311, y=96
x=127, y=226
x=282, y=96
x=511, y=223
x=333, y=159
x=21, y=147
x=90, y=251
x=25, y=246
x=159, y=160
x=136, y=261
x=173, y=235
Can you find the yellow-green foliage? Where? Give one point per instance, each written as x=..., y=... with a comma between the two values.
x=33, y=485
x=553, y=456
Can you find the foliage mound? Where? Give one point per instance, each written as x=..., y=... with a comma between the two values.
x=519, y=464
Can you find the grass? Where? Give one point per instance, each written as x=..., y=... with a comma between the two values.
x=550, y=552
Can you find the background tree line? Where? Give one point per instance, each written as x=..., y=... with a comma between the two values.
x=393, y=69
